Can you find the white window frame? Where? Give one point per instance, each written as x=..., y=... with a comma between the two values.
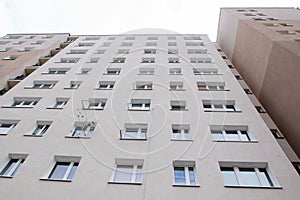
x=123, y=51
x=19, y=102
x=74, y=85
x=12, y=156
x=176, y=86
x=175, y=71
x=94, y=104
x=186, y=165
x=205, y=71
x=109, y=70
x=134, y=164
x=182, y=128
x=272, y=183
x=149, y=51
x=172, y=51
x=82, y=129
x=140, y=104
x=39, y=129
x=43, y=85
x=148, y=60
x=201, y=60
x=206, y=86
x=58, y=71
x=214, y=104
x=119, y=60
x=84, y=71
x=109, y=85
x=173, y=60
x=140, y=133
x=69, y=60
x=143, y=85
x=180, y=103
x=5, y=131
x=59, y=103
x=146, y=71
x=223, y=129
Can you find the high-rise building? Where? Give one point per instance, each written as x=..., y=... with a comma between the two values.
x=21, y=54
x=138, y=116
x=264, y=46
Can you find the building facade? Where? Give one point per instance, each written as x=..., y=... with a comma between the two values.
x=264, y=45
x=21, y=54
x=138, y=117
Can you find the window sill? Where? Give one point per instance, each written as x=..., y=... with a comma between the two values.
x=103, y=89
x=177, y=185
x=70, y=88
x=236, y=111
x=254, y=187
x=54, y=108
x=144, y=74
x=234, y=141
x=181, y=140
x=46, y=73
x=125, y=183
x=178, y=109
x=3, y=176
x=134, y=139
x=92, y=108
x=177, y=90
x=29, y=87
x=30, y=135
x=175, y=74
x=214, y=90
x=207, y=74
x=78, y=137
x=59, y=180
x=143, y=89
x=16, y=106
x=138, y=109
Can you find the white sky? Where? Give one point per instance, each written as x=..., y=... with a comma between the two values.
x=80, y=17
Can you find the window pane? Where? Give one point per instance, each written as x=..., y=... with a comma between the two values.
x=217, y=135
x=138, y=177
x=266, y=180
x=59, y=170
x=244, y=136
x=123, y=173
x=228, y=175
x=8, y=167
x=249, y=177
x=232, y=135
x=192, y=176
x=179, y=175
x=72, y=172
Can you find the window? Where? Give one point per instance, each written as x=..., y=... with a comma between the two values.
x=23, y=49
x=181, y=132
x=205, y=71
x=126, y=44
x=211, y=86
x=172, y=44
x=148, y=60
x=86, y=44
x=286, y=32
x=247, y=174
x=259, y=19
x=172, y=51
x=151, y=44
x=176, y=86
x=248, y=91
x=260, y=109
x=192, y=38
x=94, y=104
x=184, y=173
x=78, y=51
x=249, y=14
x=111, y=38
x=57, y=71
x=139, y=104
x=130, y=38
x=137, y=131
x=5, y=49
x=12, y=37
x=143, y=85
x=146, y=71
x=175, y=71
x=238, y=77
x=4, y=42
x=149, y=51
x=93, y=60
x=106, y=85
x=69, y=60
x=11, y=57
x=297, y=166
x=60, y=103
x=40, y=128
x=219, y=106
x=197, y=51
x=152, y=38
x=84, y=71
x=171, y=38
x=63, y=168
x=173, y=60
x=270, y=24
x=74, y=85
x=43, y=84
x=178, y=105
x=127, y=171
x=38, y=42
x=92, y=38
x=12, y=165
x=119, y=60
x=112, y=71
x=100, y=51
x=276, y=134
x=25, y=102
x=123, y=51
x=230, y=133
x=82, y=129
x=7, y=125
x=189, y=44
x=200, y=60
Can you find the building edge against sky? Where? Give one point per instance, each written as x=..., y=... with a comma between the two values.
x=114, y=115
x=263, y=44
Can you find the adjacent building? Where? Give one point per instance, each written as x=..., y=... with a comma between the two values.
x=264, y=46
x=138, y=116
x=21, y=54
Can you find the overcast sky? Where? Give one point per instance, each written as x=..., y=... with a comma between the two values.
x=119, y=16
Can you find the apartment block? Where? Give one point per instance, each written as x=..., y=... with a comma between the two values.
x=21, y=54
x=138, y=116
x=264, y=46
